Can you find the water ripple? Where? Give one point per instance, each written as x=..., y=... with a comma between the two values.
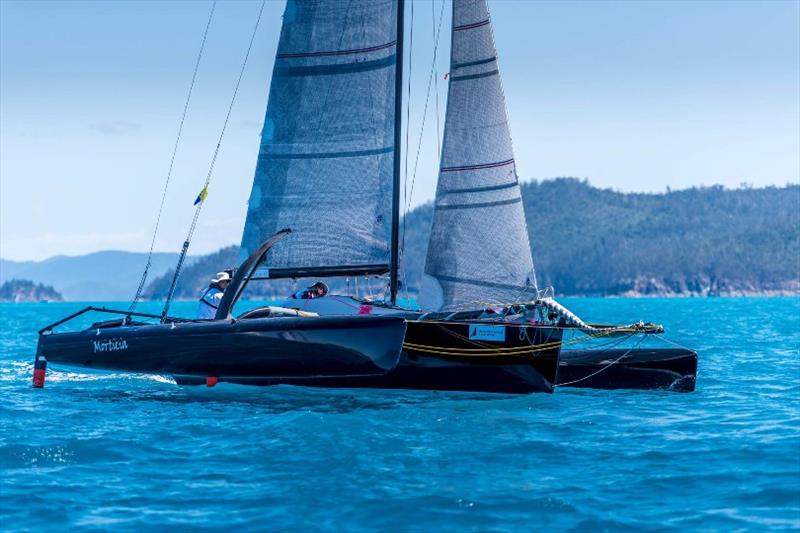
x=123, y=451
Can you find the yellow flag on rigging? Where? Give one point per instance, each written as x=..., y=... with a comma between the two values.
x=202, y=196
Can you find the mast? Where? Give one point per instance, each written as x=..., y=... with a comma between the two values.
x=398, y=126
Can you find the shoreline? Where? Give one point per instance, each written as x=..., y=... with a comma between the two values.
x=629, y=295
x=726, y=294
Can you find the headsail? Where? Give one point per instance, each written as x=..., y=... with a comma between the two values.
x=326, y=159
x=478, y=252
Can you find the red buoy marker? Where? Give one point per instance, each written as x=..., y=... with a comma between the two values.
x=211, y=381
x=39, y=369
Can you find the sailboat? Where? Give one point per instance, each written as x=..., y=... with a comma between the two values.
x=327, y=192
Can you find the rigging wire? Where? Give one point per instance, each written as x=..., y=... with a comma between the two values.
x=211, y=166
x=408, y=100
x=604, y=368
x=408, y=135
x=172, y=161
x=422, y=127
x=436, y=79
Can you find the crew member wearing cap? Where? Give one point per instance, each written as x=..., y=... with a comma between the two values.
x=209, y=301
x=317, y=290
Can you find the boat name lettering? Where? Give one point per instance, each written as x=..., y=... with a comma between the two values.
x=110, y=345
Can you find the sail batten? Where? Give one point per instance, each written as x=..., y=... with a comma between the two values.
x=326, y=155
x=325, y=166
x=336, y=52
x=478, y=253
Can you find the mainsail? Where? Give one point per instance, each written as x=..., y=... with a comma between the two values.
x=478, y=251
x=325, y=167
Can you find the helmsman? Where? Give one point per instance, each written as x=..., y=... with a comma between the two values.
x=212, y=296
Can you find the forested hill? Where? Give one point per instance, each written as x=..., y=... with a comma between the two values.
x=695, y=241
x=590, y=241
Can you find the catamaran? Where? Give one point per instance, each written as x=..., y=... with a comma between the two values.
x=326, y=197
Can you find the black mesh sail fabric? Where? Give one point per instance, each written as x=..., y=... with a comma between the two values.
x=478, y=252
x=325, y=165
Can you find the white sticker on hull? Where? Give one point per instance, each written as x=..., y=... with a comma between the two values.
x=487, y=333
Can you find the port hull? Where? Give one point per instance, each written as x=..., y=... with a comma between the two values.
x=272, y=348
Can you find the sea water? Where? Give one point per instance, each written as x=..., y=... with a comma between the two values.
x=119, y=451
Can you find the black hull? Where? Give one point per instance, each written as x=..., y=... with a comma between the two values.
x=642, y=368
x=533, y=369
x=419, y=370
x=429, y=374
x=280, y=350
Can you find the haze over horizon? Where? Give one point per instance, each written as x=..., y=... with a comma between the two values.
x=633, y=96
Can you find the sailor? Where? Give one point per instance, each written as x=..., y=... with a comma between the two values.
x=317, y=290
x=209, y=301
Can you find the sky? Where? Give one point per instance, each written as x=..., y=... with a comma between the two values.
x=631, y=95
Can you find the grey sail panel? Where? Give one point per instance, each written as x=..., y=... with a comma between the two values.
x=324, y=168
x=478, y=251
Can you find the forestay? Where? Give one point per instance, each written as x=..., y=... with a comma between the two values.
x=478, y=251
x=325, y=164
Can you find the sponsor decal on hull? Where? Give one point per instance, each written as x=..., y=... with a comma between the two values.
x=487, y=333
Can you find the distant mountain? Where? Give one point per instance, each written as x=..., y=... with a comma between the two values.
x=24, y=290
x=590, y=241
x=110, y=275
x=195, y=276
x=586, y=241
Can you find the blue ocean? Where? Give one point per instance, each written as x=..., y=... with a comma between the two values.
x=136, y=452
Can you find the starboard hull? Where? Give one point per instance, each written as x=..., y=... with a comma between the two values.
x=642, y=368
x=259, y=351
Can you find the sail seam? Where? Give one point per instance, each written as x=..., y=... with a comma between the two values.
x=473, y=63
x=481, y=189
x=344, y=68
x=478, y=167
x=494, y=72
x=482, y=204
x=483, y=283
x=471, y=26
x=328, y=155
x=337, y=52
